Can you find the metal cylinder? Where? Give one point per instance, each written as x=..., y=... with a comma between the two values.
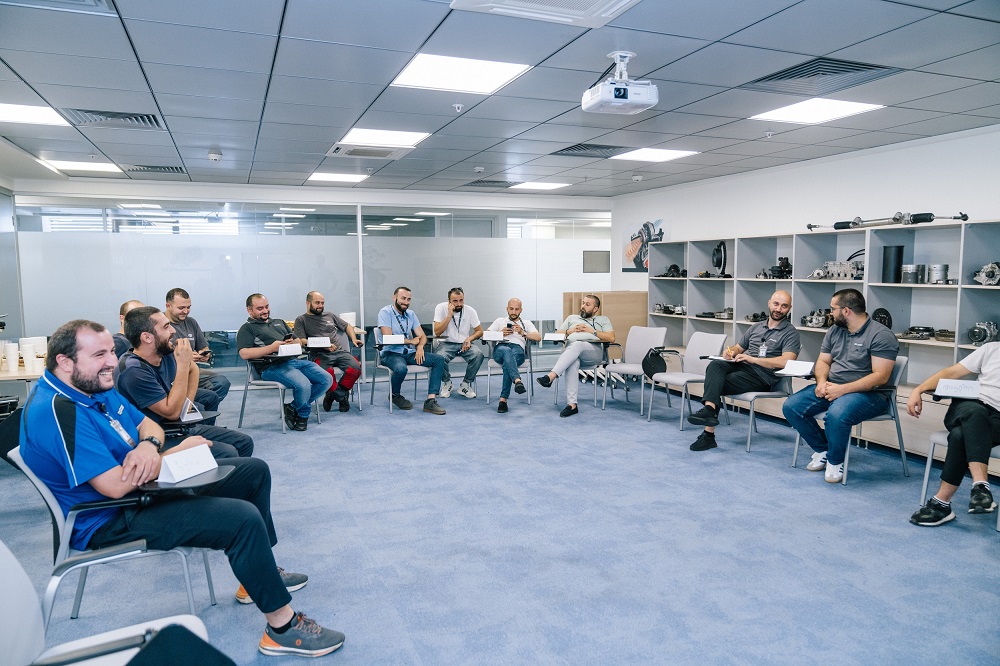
x=938, y=274
x=921, y=273
x=909, y=273
x=892, y=263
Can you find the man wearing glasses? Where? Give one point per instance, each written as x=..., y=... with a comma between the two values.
x=856, y=358
x=456, y=327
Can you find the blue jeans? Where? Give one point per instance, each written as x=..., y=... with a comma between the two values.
x=510, y=357
x=473, y=359
x=397, y=366
x=307, y=380
x=841, y=415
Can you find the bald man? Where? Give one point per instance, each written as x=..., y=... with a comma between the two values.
x=510, y=353
x=764, y=348
x=122, y=345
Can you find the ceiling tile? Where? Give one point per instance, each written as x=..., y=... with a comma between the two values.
x=292, y=146
x=497, y=107
x=880, y=119
x=674, y=94
x=260, y=16
x=16, y=92
x=901, y=87
x=203, y=81
x=561, y=85
x=257, y=180
x=741, y=103
x=816, y=134
x=316, y=116
x=679, y=123
x=169, y=44
x=760, y=146
x=187, y=125
x=337, y=62
x=988, y=111
x=562, y=133
x=873, y=139
x=325, y=135
x=699, y=143
x=350, y=22
x=982, y=64
x=564, y=162
x=985, y=9
x=811, y=152
x=228, y=155
x=609, y=121
x=523, y=147
x=633, y=139
x=121, y=135
x=590, y=52
x=705, y=19
x=727, y=65
x=747, y=129
x=297, y=167
x=35, y=145
x=946, y=124
x=402, y=122
x=491, y=37
x=66, y=70
x=430, y=102
x=207, y=141
x=957, y=101
x=763, y=162
x=67, y=33
x=342, y=94
x=209, y=107
x=97, y=99
x=486, y=128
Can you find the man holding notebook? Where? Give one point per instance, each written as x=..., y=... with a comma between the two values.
x=749, y=366
x=973, y=430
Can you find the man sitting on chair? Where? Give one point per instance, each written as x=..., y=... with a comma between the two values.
x=764, y=348
x=456, y=327
x=584, y=334
x=87, y=443
x=398, y=319
x=510, y=353
x=316, y=323
x=973, y=430
x=856, y=357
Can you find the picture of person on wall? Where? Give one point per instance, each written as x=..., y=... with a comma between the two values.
x=637, y=249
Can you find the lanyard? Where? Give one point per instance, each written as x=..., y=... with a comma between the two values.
x=116, y=425
x=458, y=326
x=401, y=321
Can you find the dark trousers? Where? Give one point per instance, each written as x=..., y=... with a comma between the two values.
x=226, y=443
x=214, y=382
x=973, y=429
x=233, y=515
x=722, y=378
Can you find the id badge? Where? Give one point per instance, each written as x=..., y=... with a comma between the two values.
x=762, y=352
x=122, y=432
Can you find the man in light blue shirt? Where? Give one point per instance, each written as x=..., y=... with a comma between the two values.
x=398, y=319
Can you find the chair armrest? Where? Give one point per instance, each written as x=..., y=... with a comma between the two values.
x=101, y=554
x=98, y=650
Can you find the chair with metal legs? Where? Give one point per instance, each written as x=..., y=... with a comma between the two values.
x=940, y=438
x=602, y=365
x=782, y=389
x=414, y=371
x=254, y=381
x=528, y=365
x=640, y=340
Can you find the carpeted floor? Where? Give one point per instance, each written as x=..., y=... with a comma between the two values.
x=480, y=538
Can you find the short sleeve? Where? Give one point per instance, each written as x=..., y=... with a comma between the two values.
x=745, y=340
x=299, y=329
x=791, y=341
x=244, y=337
x=383, y=318
x=974, y=361
x=200, y=342
x=440, y=311
x=474, y=319
x=884, y=345
x=826, y=347
x=138, y=384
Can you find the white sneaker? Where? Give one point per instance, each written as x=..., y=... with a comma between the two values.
x=834, y=473
x=466, y=389
x=818, y=462
x=445, y=389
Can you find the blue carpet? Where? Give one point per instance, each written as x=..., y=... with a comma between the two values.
x=481, y=538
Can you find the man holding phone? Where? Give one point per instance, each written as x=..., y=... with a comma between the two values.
x=511, y=352
x=259, y=340
x=178, y=311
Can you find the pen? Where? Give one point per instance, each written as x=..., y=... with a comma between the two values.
x=729, y=350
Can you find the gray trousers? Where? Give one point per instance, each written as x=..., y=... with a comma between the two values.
x=578, y=355
x=473, y=357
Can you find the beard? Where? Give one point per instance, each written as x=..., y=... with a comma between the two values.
x=586, y=315
x=316, y=311
x=458, y=308
x=840, y=320
x=165, y=347
x=777, y=315
x=85, y=384
x=401, y=307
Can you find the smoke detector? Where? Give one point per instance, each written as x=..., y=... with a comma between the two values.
x=215, y=155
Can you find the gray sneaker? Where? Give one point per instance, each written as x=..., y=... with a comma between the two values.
x=291, y=581
x=305, y=638
x=401, y=402
x=431, y=405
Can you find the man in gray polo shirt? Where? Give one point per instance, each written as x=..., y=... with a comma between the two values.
x=764, y=348
x=856, y=357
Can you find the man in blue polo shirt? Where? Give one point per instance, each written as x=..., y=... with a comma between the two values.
x=86, y=442
x=398, y=319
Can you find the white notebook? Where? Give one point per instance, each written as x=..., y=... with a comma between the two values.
x=796, y=369
x=957, y=388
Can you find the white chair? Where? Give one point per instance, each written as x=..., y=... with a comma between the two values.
x=940, y=438
x=692, y=369
x=68, y=559
x=254, y=381
x=411, y=370
x=639, y=341
x=527, y=365
x=782, y=389
x=891, y=414
x=24, y=637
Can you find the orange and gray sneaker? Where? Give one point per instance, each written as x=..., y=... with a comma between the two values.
x=292, y=582
x=304, y=638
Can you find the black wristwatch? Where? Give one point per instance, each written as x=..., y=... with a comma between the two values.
x=153, y=440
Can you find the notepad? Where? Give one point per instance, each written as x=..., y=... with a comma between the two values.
x=291, y=349
x=957, y=388
x=185, y=464
x=394, y=339
x=556, y=337
x=493, y=336
x=318, y=341
x=721, y=358
x=796, y=369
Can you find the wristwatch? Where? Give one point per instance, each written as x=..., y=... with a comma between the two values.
x=153, y=440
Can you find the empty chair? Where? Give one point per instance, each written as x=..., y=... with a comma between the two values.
x=639, y=341
x=692, y=369
x=254, y=381
x=940, y=438
x=411, y=370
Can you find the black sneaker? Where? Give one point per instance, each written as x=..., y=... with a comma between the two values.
x=981, y=500
x=345, y=405
x=301, y=423
x=706, y=416
x=544, y=381
x=304, y=638
x=502, y=407
x=291, y=418
x=705, y=441
x=431, y=405
x=519, y=388
x=401, y=402
x=328, y=401
x=932, y=514
x=340, y=393
x=568, y=411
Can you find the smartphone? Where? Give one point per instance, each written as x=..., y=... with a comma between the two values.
x=290, y=336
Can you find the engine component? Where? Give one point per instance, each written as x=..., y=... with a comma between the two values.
x=882, y=316
x=898, y=218
x=983, y=332
x=783, y=271
x=944, y=335
x=989, y=274
x=756, y=316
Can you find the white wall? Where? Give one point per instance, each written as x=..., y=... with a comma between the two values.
x=940, y=175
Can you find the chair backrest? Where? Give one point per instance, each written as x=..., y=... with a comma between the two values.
x=23, y=639
x=253, y=372
x=641, y=339
x=702, y=344
x=350, y=317
x=55, y=511
x=377, y=344
x=784, y=385
x=897, y=371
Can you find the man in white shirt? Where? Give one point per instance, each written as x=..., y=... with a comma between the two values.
x=973, y=430
x=511, y=351
x=456, y=327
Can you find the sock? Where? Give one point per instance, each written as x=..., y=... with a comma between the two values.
x=283, y=628
x=946, y=505
x=708, y=434
x=984, y=484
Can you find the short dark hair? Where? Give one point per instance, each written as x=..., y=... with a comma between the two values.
x=851, y=299
x=63, y=341
x=253, y=296
x=139, y=321
x=597, y=301
x=455, y=290
x=401, y=288
x=175, y=292
x=125, y=307
x=309, y=296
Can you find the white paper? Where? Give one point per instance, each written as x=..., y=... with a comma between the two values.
x=189, y=412
x=394, y=339
x=722, y=358
x=319, y=341
x=558, y=337
x=493, y=336
x=291, y=349
x=185, y=464
x=957, y=388
x=796, y=369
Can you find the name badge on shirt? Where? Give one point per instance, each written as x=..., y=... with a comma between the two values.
x=762, y=352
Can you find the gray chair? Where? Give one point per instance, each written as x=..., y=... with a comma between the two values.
x=940, y=438
x=528, y=365
x=67, y=559
x=891, y=414
x=411, y=370
x=782, y=389
x=602, y=365
x=254, y=381
x=692, y=369
x=639, y=341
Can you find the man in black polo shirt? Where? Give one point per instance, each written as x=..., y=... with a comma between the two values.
x=317, y=323
x=178, y=311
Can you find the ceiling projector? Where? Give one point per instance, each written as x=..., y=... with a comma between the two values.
x=619, y=95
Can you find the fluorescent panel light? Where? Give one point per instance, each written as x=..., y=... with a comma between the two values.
x=354, y=233
x=152, y=206
x=299, y=210
x=815, y=111
x=432, y=214
x=378, y=227
x=152, y=213
x=407, y=219
x=32, y=115
x=600, y=224
x=283, y=215
x=394, y=224
x=538, y=186
x=653, y=155
x=383, y=138
x=84, y=166
x=337, y=177
x=482, y=77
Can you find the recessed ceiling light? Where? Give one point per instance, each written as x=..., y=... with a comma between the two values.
x=377, y=227
x=432, y=214
x=84, y=166
x=383, y=138
x=354, y=233
x=653, y=155
x=33, y=115
x=284, y=215
x=815, y=111
x=407, y=219
x=482, y=77
x=299, y=210
x=538, y=186
x=338, y=177
x=394, y=224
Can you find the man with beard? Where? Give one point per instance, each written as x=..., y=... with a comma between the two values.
x=510, y=352
x=763, y=349
x=398, y=319
x=259, y=339
x=160, y=376
x=856, y=358
x=178, y=311
x=584, y=335
x=87, y=443
x=316, y=323
x=456, y=327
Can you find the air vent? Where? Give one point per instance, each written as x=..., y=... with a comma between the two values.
x=595, y=150
x=145, y=168
x=366, y=152
x=820, y=77
x=584, y=13
x=87, y=118
x=493, y=183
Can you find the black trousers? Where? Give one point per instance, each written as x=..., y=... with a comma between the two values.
x=973, y=429
x=724, y=378
x=233, y=515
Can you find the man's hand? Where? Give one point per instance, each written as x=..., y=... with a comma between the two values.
x=834, y=391
x=183, y=353
x=357, y=342
x=466, y=344
x=517, y=329
x=200, y=357
x=915, y=404
x=820, y=389
x=140, y=464
x=746, y=358
x=189, y=443
x=419, y=355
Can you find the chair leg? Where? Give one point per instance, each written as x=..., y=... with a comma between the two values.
x=795, y=453
x=642, y=393
x=927, y=473
x=902, y=447
x=187, y=578
x=243, y=407
x=489, y=376
x=208, y=576
x=79, y=593
x=847, y=456
x=685, y=400
x=649, y=409
x=753, y=424
x=281, y=409
x=726, y=407
x=316, y=409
